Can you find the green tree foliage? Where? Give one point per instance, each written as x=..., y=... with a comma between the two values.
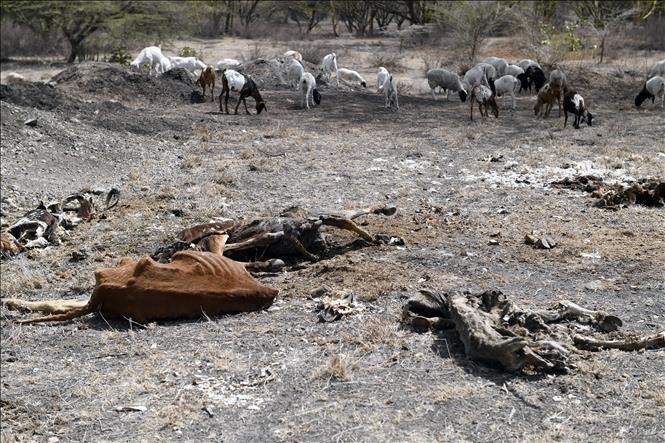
x=79, y=20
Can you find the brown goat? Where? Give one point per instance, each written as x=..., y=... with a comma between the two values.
x=193, y=284
x=484, y=97
x=547, y=95
x=206, y=78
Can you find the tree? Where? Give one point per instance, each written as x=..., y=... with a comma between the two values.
x=78, y=20
x=602, y=16
x=356, y=15
x=417, y=12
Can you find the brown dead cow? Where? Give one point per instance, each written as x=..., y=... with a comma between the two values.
x=206, y=78
x=192, y=285
x=293, y=234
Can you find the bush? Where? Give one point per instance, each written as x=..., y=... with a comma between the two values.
x=186, y=51
x=314, y=53
x=120, y=55
x=389, y=61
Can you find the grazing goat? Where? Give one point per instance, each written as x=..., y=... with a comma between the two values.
x=547, y=95
x=231, y=81
x=653, y=87
x=505, y=85
x=350, y=76
x=329, y=65
x=558, y=79
x=475, y=76
x=489, y=71
x=206, y=78
x=657, y=70
x=574, y=103
x=446, y=80
x=308, y=89
x=499, y=64
x=533, y=75
x=249, y=89
x=525, y=63
x=151, y=56
x=390, y=92
x=483, y=95
x=228, y=63
x=294, y=55
x=294, y=71
x=514, y=70
x=381, y=76
x=194, y=284
x=191, y=64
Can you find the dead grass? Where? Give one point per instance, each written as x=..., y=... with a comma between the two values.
x=338, y=368
x=392, y=62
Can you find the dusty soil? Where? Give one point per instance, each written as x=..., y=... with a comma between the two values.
x=280, y=375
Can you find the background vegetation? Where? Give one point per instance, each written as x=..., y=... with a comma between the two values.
x=82, y=30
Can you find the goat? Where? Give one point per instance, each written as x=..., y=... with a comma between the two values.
x=499, y=64
x=489, y=71
x=350, y=76
x=294, y=71
x=532, y=76
x=483, y=95
x=250, y=89
x=446, y=80
x=229, y=63
x=191, y=64
x=151, y=56
x=505, y=85
x=206, y=78
x=574, y=103
x=294, y=55
x=657, y=70
x=192, y=285
x=381, y=76
x=525, y=63
x=514, y=70
x=545, y=99
x=558, y=79
x=308, y=89
x=653, y=87
x=390, y=92
x=329, y=65
x=232, y=81
x=476, y=76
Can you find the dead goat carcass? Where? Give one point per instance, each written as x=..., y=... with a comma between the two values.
x=646, y=192
x=492, y=328
x=269, y=243
x=192, y=285
x=38, y=228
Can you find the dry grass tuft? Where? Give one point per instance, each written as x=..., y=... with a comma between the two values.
x=389, y=61
x=404, y=87
x=338, y=368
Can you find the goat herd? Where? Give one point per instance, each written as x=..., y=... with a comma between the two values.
x=491, y=78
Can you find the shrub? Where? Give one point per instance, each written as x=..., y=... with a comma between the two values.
x=120, y=55
x=186, y=51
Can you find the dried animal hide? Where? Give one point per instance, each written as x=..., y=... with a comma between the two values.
x=194, y=284
x=492, y=328
x=644, y=192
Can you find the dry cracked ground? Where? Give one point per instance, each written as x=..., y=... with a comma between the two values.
x=466, y=192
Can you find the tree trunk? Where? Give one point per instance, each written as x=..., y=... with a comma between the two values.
x=602, y=47
x=75, y=51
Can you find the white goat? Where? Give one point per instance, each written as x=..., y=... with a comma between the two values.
x=499, y=64
x=525, y=63
x=351, y=77
x=151, y=56
x=294, y=55
x=506, y=84
x=654, y=87
x=235, y=80
x=191, y=64
x=329, y=65
x=294, y=71
x=488, y=70
x=228, y=63
x=446, y=80
x=381, y=77
x=514, y=70
x=657, y=70
x=475, y=76
x=390, y=92
x=308, y=89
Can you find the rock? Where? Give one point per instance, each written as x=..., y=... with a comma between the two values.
x=31, y=122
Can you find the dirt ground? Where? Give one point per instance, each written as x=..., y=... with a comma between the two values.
x=279, y=374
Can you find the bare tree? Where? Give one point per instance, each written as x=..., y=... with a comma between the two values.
x=603, y=16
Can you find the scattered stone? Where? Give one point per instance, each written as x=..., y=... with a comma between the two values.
x=79, y=255
x=543, y=242
x=31, y=122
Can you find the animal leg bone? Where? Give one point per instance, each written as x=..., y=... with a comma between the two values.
x=49, y=306
x=262, y=239
x=347, y=224
x=648, y=342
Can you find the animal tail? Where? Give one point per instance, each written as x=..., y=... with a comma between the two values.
x=317, y=97
x=73, y=313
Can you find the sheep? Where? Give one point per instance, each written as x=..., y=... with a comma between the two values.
x=499, y=64
x=390, y=92
x=294, y=55
x=514, y=70
x=525, y=63
x=653, y=87
x=446, y=80
x=294, y=71
x=308, y=88
x=533, y=75
x=13, y=78
x=483, y=95
x=151, y=56
x=506, y=84
x=558, y=79
x=231, y=81
x=489, y=71
x=206, y=78
x=229, y=63
x=574, y=103
x=381, y=77
x=189, y=63
x=350, y=77
x=657, y=70
x=329, y=65
x=249, y=88
x=475, y=76
x=546, y=97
